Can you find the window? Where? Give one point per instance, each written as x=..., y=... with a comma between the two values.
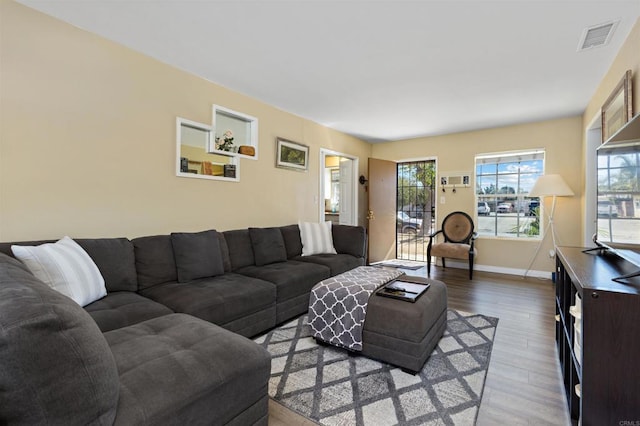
x=503, y=182
x=619, y=194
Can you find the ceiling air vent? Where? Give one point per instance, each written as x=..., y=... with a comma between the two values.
x=597, y=36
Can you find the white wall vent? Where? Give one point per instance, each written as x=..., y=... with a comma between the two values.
x=597, y=36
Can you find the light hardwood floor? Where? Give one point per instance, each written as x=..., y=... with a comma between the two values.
x=523, y=385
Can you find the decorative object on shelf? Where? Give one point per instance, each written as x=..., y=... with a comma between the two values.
x=549, y=186
x=617, y=110
x=241, y=129
x=247, y=150
x=225, y=142
x=292, y=155
x=207, y=168
x=230, y=170
x=193, y=156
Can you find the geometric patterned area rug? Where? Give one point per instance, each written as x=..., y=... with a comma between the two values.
x=327, y=385
x=402, y=264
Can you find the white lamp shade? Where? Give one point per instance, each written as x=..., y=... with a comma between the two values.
x=550, y=185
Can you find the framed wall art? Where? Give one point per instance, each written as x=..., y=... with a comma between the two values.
x=292, y=155
x=618, y=108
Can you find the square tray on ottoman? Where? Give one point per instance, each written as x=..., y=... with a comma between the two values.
x=403, y=333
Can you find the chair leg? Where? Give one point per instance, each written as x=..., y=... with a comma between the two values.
x=470, y=266
x=429, y=260
x=443, y=265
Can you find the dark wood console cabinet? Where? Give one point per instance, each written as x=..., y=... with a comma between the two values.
x=607, y=369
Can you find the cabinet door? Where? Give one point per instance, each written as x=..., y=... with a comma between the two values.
x=611, y=358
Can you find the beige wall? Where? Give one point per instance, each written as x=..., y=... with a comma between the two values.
x=87, y=142
x=87, y=146
x=628, y=58
x=561, y=140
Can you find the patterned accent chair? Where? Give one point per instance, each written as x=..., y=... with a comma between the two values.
x=459, y=237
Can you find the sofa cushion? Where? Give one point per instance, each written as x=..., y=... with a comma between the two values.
x=350, y=239
x=56, y=365
x=6, y=247
x=291, y=278
x=155, y=263
x=268, y=245
x=197, y=255
x=65, y=267
x=292, y=241
x=240, y=248
x=116, y=261
x=316, y=238
x=338, y=263
x=123, y=308
x=178, y=369
x=219, y=300
x=224, y=251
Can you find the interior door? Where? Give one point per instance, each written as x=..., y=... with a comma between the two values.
x=346, y=191
x=382, y=210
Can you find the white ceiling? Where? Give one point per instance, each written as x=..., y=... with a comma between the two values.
x=379, y=70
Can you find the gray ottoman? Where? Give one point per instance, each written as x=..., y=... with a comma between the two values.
x=403, y=333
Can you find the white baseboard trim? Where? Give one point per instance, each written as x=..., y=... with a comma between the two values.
x=499, y=269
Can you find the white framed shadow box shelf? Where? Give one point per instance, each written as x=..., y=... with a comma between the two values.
x=243, y=126
x=193, y=159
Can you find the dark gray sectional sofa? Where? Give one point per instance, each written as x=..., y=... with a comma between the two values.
x=168, y=344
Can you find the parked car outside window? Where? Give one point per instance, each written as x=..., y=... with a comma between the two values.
x=505, y=208
x=607, y=208
x=483, y=208
x=534, y=207
x=408, y=224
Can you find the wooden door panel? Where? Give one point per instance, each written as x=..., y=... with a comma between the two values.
x=382, y=210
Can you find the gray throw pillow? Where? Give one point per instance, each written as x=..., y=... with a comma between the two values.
x=197, y=255
x=268, y=245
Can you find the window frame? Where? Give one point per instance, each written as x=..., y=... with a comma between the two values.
x=518, y=199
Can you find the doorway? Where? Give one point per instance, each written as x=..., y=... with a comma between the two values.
x=338, y=188
x=415, y=207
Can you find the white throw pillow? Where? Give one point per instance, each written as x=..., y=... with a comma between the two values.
x=65, y=267
x=316, y=238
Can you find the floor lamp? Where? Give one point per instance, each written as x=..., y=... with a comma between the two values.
x=549, y=186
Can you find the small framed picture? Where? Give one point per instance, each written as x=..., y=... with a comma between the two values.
x=617, y=109
x=292, y=155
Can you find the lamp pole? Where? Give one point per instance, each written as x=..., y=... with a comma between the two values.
x=552, y=253
x=548, y=186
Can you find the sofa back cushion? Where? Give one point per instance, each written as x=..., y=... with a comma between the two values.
x=197, y=255
x=57, y=367
x=116, y=261
x=224, y=251
x=114, y=257
x=292, y=241
x=268, y=245
x=6, y=247
x=155, y=263
x=240, y=248
x=350, y=240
